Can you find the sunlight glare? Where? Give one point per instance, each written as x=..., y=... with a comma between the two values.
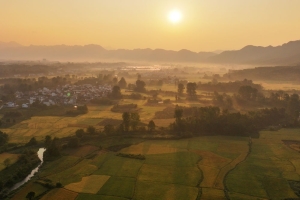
x=175, y=16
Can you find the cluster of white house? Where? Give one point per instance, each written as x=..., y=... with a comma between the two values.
x=67, y=94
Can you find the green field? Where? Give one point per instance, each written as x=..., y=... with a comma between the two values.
x=204, y=167
x=195, y=168
x=267, y=169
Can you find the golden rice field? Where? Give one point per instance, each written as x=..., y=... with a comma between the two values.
x=60, y=194
x=90, y=184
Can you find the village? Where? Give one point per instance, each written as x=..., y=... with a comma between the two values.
x=62, y=95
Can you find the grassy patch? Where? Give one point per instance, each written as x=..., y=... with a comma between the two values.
x=59, y=165
x=118, y=166
x=180, y=159
x=266, y=171
x=118, y=186
x=189, y=176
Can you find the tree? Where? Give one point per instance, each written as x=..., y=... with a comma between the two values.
x=91, y=130
x=247, y=92
x=151, y=126
x=293, y=106
x=73, y=142
x=115, y=80
x=126, y=121
x=79, y=133
x=191, y=90
x=140, y=86
x=180, y=88
x=47, y=140
x=178, y=114
x=32, y=142
x=54, y=148
x=135, y=120
x=109, y=129
x=3, y=138
x=58, y=185
x=116, y=92
x=30, y=195
x=122, y=83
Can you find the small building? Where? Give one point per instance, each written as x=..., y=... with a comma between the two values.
x=25, y=105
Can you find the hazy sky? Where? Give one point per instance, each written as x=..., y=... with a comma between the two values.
x=206, y=25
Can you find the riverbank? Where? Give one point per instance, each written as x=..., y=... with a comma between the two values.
x=20, y=172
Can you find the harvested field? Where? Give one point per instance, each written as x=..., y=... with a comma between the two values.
x=60, y=194
x=119, y=166
x=119, y=186
x=90, y=184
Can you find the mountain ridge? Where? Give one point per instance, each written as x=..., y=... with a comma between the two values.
x=285, y=54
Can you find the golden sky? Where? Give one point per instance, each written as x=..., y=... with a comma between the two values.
x=206, y=25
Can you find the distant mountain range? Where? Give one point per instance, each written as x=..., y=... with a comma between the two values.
x=286, y=54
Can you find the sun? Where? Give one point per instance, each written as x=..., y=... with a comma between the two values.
x=175, y=16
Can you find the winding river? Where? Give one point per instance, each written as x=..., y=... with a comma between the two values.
x=40, y=154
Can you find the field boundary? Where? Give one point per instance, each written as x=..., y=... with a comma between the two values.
x=225, y=176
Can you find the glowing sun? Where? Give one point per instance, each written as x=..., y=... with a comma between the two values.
x=175, y=16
